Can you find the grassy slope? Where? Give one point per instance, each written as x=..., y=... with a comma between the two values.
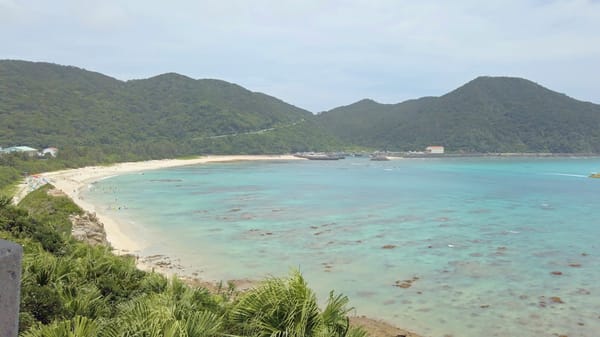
x=9, y=177
x=51, y=210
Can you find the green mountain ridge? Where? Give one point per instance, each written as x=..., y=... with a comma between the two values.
x=487, y=114
x=88, y=114
x=45, y=104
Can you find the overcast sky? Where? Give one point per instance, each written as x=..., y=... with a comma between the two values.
x=317, y=54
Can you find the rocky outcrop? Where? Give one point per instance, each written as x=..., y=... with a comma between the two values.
x=87, y=228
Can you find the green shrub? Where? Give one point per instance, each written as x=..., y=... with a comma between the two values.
x=41, y=302
x=53, y=211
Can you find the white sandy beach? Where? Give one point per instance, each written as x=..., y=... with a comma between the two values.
x=73, y=181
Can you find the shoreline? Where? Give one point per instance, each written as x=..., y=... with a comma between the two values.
x=73, y=181
x=403, y=155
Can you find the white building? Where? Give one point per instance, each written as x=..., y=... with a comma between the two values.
x=21, y=149
x=434, y=149
x=50, y=150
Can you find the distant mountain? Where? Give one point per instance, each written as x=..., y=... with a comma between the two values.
x=45, y=104
x=488, y=114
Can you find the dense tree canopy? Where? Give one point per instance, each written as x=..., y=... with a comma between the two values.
x=488, y=114
x=93, y=115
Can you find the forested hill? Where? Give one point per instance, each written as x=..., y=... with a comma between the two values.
x=488, y=114
x=90, y=115
x=43, y=104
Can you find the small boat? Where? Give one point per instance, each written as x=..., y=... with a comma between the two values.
x=595, y=175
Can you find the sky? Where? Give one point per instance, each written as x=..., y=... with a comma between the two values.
x=317, y=54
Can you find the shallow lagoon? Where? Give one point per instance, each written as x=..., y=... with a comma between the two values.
x=491, y=247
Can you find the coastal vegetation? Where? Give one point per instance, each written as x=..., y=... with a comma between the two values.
x=15, y=166
x=8, y=177
x=53, y=210
x=74, y=289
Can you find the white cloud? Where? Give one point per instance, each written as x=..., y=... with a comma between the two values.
x=102, y=16
x=11, y=12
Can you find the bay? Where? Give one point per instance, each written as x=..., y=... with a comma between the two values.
x=462, y=247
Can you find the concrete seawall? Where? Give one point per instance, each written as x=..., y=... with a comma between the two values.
x=10, y=287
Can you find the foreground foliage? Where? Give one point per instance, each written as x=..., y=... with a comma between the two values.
x=287, y=307
x=71, y=289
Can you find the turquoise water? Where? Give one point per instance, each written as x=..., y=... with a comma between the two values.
x=480, y=237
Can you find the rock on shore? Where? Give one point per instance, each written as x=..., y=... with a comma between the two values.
x=89, y=229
